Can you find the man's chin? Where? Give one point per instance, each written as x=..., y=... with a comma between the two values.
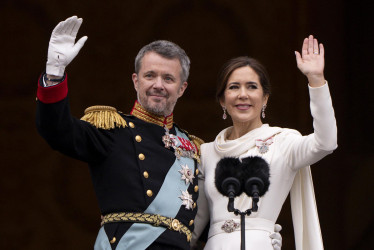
x=156, y=108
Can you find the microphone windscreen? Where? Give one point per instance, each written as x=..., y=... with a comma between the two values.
x=255, y=166
x=227, y=167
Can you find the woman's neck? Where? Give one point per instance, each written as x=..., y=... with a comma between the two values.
x=239, y=129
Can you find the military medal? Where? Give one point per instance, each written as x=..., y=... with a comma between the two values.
x=182, y=147
x=187, y=174
x=263, y=145
x=187, y=200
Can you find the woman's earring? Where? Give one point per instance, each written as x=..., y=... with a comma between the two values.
x=263, y=111
x=224, y=116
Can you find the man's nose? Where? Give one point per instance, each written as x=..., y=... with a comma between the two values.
x=158, y=84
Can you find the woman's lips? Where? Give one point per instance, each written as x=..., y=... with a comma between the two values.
x=243, y=106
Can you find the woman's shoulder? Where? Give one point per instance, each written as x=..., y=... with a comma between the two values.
x=287, y=135
x=288, y=131
x=207, y=146
x=279, y=131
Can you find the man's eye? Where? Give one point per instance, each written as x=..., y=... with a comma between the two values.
x=253, y=86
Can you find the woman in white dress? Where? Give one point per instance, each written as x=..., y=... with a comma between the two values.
x=243, y=95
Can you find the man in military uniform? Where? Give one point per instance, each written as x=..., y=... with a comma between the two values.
x=143, y=166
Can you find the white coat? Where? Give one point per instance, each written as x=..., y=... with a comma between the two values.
x=289, y=156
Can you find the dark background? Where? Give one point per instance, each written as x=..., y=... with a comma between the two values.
x=47, y=200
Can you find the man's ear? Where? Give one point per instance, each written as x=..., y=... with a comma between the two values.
x=135, y=81
x=182, y=89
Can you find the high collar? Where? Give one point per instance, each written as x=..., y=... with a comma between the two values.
x=242, y=144
x=139, y=112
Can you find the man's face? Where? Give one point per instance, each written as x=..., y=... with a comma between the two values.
x=158, y=83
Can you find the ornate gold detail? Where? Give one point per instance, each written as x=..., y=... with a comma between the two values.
x=197, y=141
x=104, y=117
x=175, y=225
x=154, y=219
x=139, y=112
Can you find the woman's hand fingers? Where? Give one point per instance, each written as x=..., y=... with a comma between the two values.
x=310, y=45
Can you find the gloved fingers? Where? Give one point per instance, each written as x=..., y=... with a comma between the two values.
x=276, y=243
x=76, y=27
x=276, y=236
x=277, y=228
x=68, y=25
x=80, y=43
x=58, y=28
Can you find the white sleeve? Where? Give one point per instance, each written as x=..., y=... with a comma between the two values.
x=306, y=150
x=202, y=216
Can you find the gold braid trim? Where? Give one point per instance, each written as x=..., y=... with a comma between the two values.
x=104, y=117
x=197, y=141
x=153, y=219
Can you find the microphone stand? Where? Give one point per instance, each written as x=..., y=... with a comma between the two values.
x=230, y=208
x=252, y=178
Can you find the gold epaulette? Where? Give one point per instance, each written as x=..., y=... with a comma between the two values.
x=104, y=117
x=197, y=141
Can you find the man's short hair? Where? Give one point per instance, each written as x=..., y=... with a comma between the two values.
x=168, y=50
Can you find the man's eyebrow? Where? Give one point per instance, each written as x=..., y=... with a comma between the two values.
x=169, y=75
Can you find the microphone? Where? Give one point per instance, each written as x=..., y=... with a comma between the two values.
x=256, y=178
x=228, y=179
x=250, y=175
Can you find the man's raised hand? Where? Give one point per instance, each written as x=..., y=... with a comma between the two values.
x=62, y=47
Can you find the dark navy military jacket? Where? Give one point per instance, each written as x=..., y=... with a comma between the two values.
x=127, y=165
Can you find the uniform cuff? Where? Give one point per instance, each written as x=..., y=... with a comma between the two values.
x=52, y=94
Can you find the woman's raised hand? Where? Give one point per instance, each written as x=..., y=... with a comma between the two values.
x=311, y=62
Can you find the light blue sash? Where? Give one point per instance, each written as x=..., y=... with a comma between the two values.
x=166, y=203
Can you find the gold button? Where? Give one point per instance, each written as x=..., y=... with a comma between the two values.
x=138, y=138
x=194, y=205
x=149, y=193
x=196, y=188
x=141, y=157
x=176, y=225
x=197, y=171
x=113, y=240
x=36, y=98
x=191, y=222
x=131, y=125
x=145, y=174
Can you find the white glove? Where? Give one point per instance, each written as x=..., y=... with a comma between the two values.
x=276, y=237
x=62, y=47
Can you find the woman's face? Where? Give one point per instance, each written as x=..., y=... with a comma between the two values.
x=244, y=96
